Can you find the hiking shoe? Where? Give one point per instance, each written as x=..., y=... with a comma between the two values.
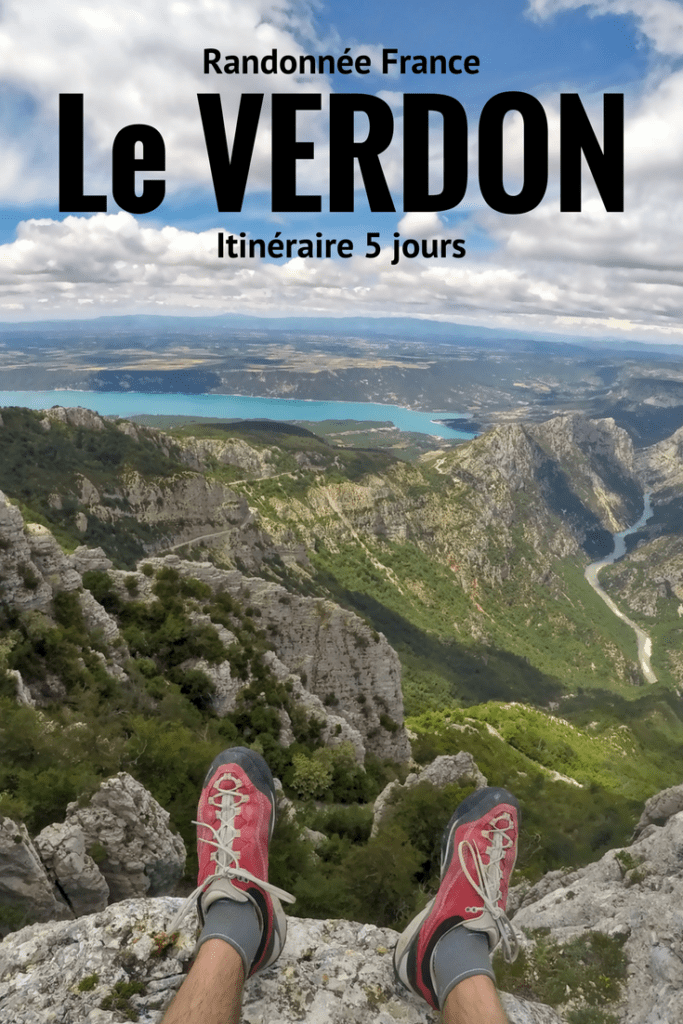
x=236, y=817
x=478, y=853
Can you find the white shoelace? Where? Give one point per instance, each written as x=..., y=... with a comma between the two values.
x=227, y=803
x=489, y=877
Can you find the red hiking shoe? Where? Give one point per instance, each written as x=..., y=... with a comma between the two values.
x=478, y=853
x=235, y=821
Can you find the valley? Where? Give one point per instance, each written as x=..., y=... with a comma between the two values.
x=354, y=602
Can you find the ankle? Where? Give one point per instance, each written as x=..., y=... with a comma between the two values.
x=238, y=924
x=460, y=954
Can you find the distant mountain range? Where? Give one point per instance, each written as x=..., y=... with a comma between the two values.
x=409, y=328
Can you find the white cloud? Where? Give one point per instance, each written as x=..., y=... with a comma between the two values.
x=551, y=270
x=136, y=63
x=418, y=225
x=660, y=20
x=113, y=264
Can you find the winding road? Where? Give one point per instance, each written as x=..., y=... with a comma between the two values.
x=591, y=574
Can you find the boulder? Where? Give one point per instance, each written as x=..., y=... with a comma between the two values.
x=86, y=559
x=62, y=849
x=26, y=892
x=659, y=808
x=128, y=831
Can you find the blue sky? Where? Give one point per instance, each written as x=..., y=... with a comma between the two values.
x=587, y=273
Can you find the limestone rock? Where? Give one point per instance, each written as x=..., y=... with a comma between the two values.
x=49, y=558
x=26, y=892
x=62, y=849
x=346, y=671
x=661, y=465
x=75, y=417
x=21, y=583
x=448, y=768
x=140, y=855
x=96, y=618
x=22, y=691
x=660, y=807
x=442, y=771
x=330, y=972
x=199, y=452
x=637, y=892
x=86, y=559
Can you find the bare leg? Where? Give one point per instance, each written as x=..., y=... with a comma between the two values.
x=212, y=991
x=474, y=1001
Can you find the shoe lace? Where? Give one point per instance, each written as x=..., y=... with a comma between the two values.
x=487, y=884
x=227, y=802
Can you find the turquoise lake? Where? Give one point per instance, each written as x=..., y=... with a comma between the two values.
x=130, y=403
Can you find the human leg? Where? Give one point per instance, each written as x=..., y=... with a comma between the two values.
x=474, y=1001
x=243, y=924
x=443, y=954
x=212, y=991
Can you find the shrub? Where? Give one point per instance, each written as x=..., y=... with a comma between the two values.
x=589, y=969
x=311, y=776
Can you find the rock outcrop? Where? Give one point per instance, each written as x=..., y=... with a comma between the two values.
x=636, y=893
x=117, y=846
x=33, y=569
x=22, y=585
x=660, y=807
x=661, y=465
x=138, y=855
x=442, y=771
x=62, y=849
x=343, y=671
x=330, y=972
x=26, y=892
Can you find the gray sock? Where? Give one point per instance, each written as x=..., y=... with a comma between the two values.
x=238, y=924
x=459, y=954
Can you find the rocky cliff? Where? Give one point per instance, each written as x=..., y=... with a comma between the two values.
x=346, y=673
x=121, y=964
x=633, y=896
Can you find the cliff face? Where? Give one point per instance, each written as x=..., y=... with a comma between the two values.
x=349, y=670
x=558, y=486
x=661, y=465
x=459, y=545
x=633, y=896
x=346, y=674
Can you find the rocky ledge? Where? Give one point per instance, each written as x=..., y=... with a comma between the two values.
x=121, y=965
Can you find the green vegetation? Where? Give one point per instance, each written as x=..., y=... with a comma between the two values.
x=644, y=587
x=587, y=972
x=475, y=646
x=541, y=640
x=43, y=472
x=160, y=727
x=119, y=998
x=520, y=748
x=88, y=983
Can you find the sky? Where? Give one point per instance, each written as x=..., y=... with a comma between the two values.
x=590, y=273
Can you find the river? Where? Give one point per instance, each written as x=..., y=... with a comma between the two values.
x=591, y=574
